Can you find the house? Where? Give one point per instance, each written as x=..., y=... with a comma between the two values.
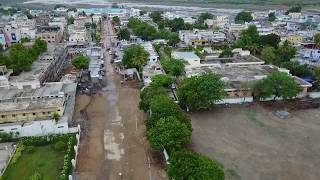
x=153, y=55
x=50, y=34
x=151, y=70
x=312, y=54
x=201, y=37
x=191, y=59
x=295, y=39
x=217, y=21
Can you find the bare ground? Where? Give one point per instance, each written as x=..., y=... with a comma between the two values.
x=115, y=141
x=254, y=144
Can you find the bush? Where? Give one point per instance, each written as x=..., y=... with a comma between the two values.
x=30, y=149
x=59, y=146
x=35, y=176
x=6, y=137
x=18, y=153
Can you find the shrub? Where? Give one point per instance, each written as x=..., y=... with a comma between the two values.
x=18, y=153
x=35, y=176
x=30, y=149
x=59, y=146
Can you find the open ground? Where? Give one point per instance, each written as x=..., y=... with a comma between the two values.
x=253, y=143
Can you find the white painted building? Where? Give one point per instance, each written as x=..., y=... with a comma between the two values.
x=191, y=59
x=154, y=57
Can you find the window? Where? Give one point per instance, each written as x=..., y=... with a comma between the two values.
x=13, y=115
x=34, y=114
x=43, y=113
x=60, y=126
x=14, y=129
x=24, y=114
x=49, y=112
x=3, y=116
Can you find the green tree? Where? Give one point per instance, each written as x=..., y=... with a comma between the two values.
x=174, y=67
x=123, y=33
x=272, y=16
x=93, y=25
x=24, y=39
x=156, y=16
x=56, y=116
x=317, y=78
x=168, y=133
x=148, y=93
x=27, y=13
x=286, y=52
x=294, y=9
x=190, y=165
x=203, y=16
x=248, y=37
x=317, y=39
x=116, y=20
x=81, y=62
x=227, y=52
x=297, y=69
x=254, y=48
x=70, y=20
x=87, y=25
x=268, y=55
x=135, y=57
x=173, y=39
x=177, y=24
x=277, y=84
x=270, y=40
x=162, y=107
x=243, y=17
x=201, y=92
x=35, y=176
x=162, y=80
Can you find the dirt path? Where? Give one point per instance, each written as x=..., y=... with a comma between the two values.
x=115, y=142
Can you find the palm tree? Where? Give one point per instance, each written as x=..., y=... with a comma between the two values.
x=254, y=48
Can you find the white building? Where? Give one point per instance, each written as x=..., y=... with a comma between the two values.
x=154, y=57
x=78, y=35
x=201, y=37
x=190, y=58
x=312, y=54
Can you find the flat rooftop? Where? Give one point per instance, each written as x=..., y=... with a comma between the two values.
x=235, y=77
x=236, y=59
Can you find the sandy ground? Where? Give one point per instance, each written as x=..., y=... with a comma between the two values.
x=254, y=144
x=115, y=138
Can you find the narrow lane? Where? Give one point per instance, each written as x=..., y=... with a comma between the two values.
x=115, y=143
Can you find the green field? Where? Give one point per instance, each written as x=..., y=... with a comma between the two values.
x=44, y=160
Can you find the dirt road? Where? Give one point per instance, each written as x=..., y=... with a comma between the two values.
x=115, y=140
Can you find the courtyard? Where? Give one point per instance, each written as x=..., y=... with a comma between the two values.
x=252, y=142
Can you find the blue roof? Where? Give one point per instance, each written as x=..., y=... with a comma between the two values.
x=101, y=10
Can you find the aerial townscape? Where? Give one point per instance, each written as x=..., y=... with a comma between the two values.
x=149, y=90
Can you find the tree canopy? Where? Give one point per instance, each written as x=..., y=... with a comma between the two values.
x=168, y=133
x=190, y=165
x=161, y=107
x=116, y=20
x=243, y=17
x=317, y=78
x=270, y=40
x=81, y=62
x=21, y=58
x=162, y=80
x=123, y=33
x=203, y=16
x=277, y=84
x=135, y=57
x=294, y=9
x=248, y=37
x=174, y=67
x=317, y=39
x=272, y=16
x=148, y=93
x=156, y=16
x=201, y=92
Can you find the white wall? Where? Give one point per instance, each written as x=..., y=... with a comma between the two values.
x=236, y=100
x=36, y=128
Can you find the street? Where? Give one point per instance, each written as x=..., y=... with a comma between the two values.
x=114, y=145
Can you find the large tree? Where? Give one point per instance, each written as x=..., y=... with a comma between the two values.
x=173, y=39
x=190, y=165
x=168, y=133
x=248, y=38
x=148, y=93
x=123, y=33
x=156, y=16
x=268, y=55
x=81, y=62
x=270, y=40
x=203, y=16
x=163, y=106
x=272, y=17
x=317, y=78
x=201, y=92
x=135, y=57
x=286, y=52
x=243, y=17
x=162, y=80
x=174, y=67
x=277, y=84
x=116, y=20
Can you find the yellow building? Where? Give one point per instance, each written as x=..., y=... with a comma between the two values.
x=295, y=39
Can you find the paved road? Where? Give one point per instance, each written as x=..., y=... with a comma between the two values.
x=115, y=142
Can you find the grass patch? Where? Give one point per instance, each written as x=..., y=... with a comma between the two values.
x=232, y=174
x=42, y=159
